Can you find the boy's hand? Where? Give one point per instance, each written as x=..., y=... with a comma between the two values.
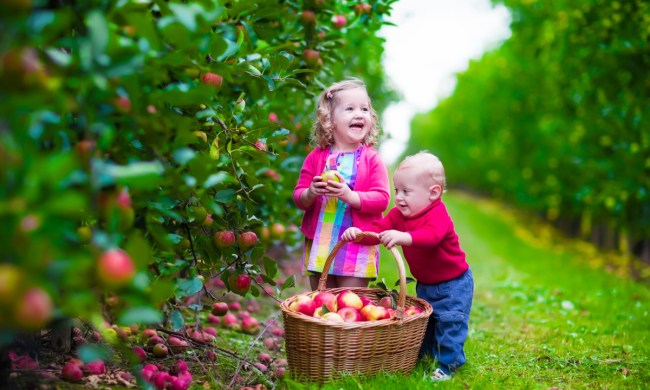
x=390, y=238
x=350, y=234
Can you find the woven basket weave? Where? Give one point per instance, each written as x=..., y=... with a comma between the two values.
x=318, y=350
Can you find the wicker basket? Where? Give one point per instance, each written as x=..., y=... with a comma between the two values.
x=318, y=350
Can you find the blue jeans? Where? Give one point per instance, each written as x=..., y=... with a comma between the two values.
x=447, y=328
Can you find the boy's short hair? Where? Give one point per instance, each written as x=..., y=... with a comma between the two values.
x=430, y=165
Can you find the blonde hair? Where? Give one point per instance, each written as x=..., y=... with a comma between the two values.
x=430, y=167
x=322, y=132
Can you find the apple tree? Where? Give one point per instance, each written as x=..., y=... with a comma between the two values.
x=148, y=147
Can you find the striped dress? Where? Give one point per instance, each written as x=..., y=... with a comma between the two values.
x=334, y=217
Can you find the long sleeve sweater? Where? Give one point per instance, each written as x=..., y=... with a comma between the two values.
x=435, y=255
x=371, y=184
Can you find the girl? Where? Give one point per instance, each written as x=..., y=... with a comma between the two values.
x=344, y=132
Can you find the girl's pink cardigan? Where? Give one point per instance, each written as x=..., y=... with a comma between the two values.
x=371, y=184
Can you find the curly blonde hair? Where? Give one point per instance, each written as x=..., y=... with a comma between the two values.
x=322, y=131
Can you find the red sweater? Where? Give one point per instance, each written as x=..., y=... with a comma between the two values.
x=434, y=256
x=372, y=185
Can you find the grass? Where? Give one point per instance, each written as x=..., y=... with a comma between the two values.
x=543, y=315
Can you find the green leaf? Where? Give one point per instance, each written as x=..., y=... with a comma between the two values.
x=270, y=266
x=408, y=280
x=99, y=33
x=139, y=175
x=290, y=282
x=70, y=203
x=91, y=352
x=225, y=196
x=183, y=155
x=177, y=320
x=186, y=14
x=139, y=249
x=189, y=287
x=140, y=315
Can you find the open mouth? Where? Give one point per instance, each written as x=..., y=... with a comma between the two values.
x=356, y=126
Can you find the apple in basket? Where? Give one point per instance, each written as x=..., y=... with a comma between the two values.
x=374, y=313
x=318, y=313
x=303, y=304
x=366, y=301
x=349, y=314
x=333, y=317
x=412, y=310
x=326, y=298
x=347, y=298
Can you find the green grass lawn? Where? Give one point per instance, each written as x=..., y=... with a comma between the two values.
x=543, y=316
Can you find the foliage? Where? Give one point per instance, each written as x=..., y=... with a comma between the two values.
x=555, y=120
x=149, y=126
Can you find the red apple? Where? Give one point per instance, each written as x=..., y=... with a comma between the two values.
x=234, y=306
x=148, y=333
x=140, y=354
x=160, y=350
x=303, y=304
x=246, y=240
x=349, y=314
x=318, y=312
x=278, y=231
x=363, y=8
x=239, y=283
x=96, y=367
x=115, y=268
x=339, y=21
x=311, y=57
x=250, y=325
x=122, y=103
x=34, y=309
x=177, y=345
x=219, y=308
x=347, y=298
x=260, y=145
x=229, y=320
x=72, y=372
x=273, y=117
x=326, y=298
x=212, y=79
x=153, y=340
x=366, y=301
x=224, y=238
x=308, y=18
x=412, y=310
x=373, y=313
x=386, y=302
x=332, y=316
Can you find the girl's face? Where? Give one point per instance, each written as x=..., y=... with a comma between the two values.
x=351, y=119
x=413, y=192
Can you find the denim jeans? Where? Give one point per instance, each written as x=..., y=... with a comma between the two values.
x=447, y=328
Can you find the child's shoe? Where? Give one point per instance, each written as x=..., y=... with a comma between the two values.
x=439, y=375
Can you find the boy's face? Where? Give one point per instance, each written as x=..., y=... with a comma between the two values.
x=413, y=191
x=351, y=118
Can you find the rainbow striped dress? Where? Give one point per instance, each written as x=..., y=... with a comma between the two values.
x=335, y=216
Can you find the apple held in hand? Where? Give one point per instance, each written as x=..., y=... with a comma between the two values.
x=347, y=298
x=303, y=304
x=349, y=314
x=326, y=298
x=330, y=175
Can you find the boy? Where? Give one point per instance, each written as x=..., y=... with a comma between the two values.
x=421, y=225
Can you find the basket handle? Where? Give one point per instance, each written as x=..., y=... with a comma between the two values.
x=401, y=300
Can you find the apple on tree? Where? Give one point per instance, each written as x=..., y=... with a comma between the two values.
x=239, y=283
x=115, y=268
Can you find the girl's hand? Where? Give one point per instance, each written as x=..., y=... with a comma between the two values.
x=390, y=238
x=340, y=190
x=318, y=187
x=350, y=234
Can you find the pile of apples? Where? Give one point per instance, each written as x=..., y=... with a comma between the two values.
x=347, y=306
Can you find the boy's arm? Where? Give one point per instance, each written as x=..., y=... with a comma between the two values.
x=377, y=227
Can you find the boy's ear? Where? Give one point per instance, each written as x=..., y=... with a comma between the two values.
x=434, y=192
